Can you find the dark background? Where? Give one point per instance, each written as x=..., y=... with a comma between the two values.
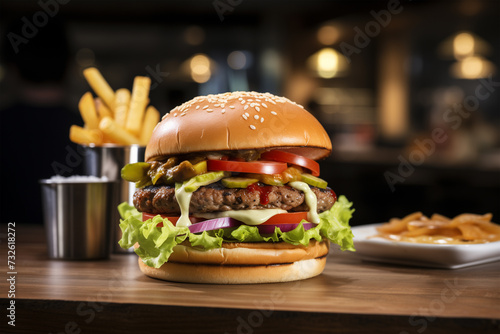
x=395, y=90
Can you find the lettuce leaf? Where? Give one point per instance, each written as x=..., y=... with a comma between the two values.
x=157, y=243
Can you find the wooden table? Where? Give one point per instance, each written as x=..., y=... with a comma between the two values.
x=113, y=296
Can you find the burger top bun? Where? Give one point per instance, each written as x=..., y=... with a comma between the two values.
x=239, y=121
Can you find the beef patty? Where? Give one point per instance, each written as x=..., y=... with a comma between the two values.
x=216, y=197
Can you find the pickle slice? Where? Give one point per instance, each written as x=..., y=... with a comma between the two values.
x=135, y=172
x=314, y=181
x=203, y=180
x=144, y=182
x=238, y=182
x=200, y=167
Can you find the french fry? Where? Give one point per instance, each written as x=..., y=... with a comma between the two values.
x=138, y=102
x=151, y=118
x=100, y=86
x=88, y=112
x=122, y=101
x=79, y=135
x=102, y=109
x=116, y=132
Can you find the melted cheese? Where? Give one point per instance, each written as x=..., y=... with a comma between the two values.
x=311, y=200
x=249, y=217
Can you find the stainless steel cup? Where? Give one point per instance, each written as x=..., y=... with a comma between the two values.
x=77, y=219
x=108, y=160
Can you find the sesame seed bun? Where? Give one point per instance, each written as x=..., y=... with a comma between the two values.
x=242, y=263
x=239, y=121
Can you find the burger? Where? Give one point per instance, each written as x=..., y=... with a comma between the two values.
x=230, y=193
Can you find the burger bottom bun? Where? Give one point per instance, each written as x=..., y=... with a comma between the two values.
x=242, y=263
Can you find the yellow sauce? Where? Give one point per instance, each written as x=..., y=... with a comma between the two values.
x=311, y=200
x=183, y=199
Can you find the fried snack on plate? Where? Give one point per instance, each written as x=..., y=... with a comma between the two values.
x=100, y=85
x=463, y=229
x=138, y=103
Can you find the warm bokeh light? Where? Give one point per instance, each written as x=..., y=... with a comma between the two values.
x=200, y=68
x=463, y=45
x=472, y=68
x=328, y=34
x=393, y=91
x=327, y=63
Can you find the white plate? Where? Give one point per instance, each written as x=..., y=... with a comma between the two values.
x=422, y=255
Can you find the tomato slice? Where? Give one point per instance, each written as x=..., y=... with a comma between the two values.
x=286, y=218
x=258, y=167
x=172, y=219
x=291, y=158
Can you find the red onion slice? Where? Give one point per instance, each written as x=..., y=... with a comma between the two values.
x=214, y=224
x=224, y=222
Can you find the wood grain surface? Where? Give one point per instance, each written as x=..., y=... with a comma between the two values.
x=350, y=296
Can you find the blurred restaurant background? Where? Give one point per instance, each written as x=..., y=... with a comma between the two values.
x=409, y=91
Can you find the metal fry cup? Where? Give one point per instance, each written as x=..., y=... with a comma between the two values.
x=77, y=217
x=108, y=160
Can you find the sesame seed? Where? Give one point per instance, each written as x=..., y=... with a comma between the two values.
x=262, y=119
x=245, y=117
x=252, y=127
x=232, y=107
x=247, y=114
x=250, y=100
x=216, y=105
x=223, y=110
x=222, y=105
x=256, y=116
x=246, y=107
x=264, y=105
x=257, y=108
x=274, y=113
x=183, y=114
x=242, y=101
x=197, y=107
x=205, y=107
x=272, y=101
x=210, y=110
x=175, y=114
x=252, y=105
